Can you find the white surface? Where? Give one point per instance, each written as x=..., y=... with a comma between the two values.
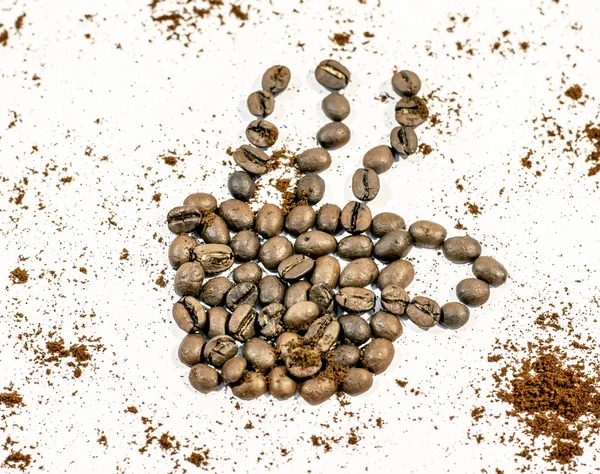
x=156, y=95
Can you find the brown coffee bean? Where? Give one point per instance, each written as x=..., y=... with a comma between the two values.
x=204, y=378
x=189, y=315
x=332, y=74
x=218, y=318
x=241, y=186
x=190, y=349
x=386, y=325
x=386, y=222
x=313, y=160
x=237, y=214
x=295, y=293
x=346, y=355
x=248, y=272
x=251, y=386
x=323, y=333
x=323, y=296
x=454, y=315
x=473, y=292
x=233, y=370
x=357, y=381
x=188, y=279
x=310, y=188
x=204, y=202
x=490, y=270
x=261, y=103
x=245, y=245
x=461, y=249
x=276, y=79
x=281, y=386
x=262, y=133
x=315, y=244
x=274, y=251
x=269, y=221
x=404, y=140
x=399, y=273
x=355, y=246
x=300, y=219
x=219, y=350
x=355, y=300
x=241, y=323
x=301, y=315
x=270, y=320
x=295, y=267
x=215, y=290
x=251, y=159
x=244, y=293
x=359, y=273
x=215, y=231
x=394, y=299
x=355, y=217
x=271, y=290
x=181, y=250
x=379, y=159
x=355, y=329
x=287, y=341
x=333, y=135
x=378, y=355
x=318, y=390
x=406, y=83
x=328, y=218
x=259, y=354
x=423, y=311
x=184, y=219
x=427, y=234
x=394, y=245
x=336, y=107
x=365, y=184
x=214, y=258
x=411, y=111
x=326, y=272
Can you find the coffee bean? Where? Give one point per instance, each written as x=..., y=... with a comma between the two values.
x=355, y=329
x=295, y=267
x=214, y=258
x=241, y=323
x=214, y=291
x=219, y=350
x=454, y=315
x=315, y=243
x=247, y=272
x=245, y=245
x=271, y=290
x=355, y=217
x=281, y=387
x=301, y=315
x=300, y=219
x=427, y=234
x=251, y=386
x=333, y=135
x=323, y=296
x=411, y=111
x=336, y=107
x=233, y=370
x=262, y=133
x=237, y=214
x=204, y=378
x=313, y=160
x=355, y=300
x=394, y=245
x=252, y=160
x=365, y=184
x=378, y=355
x=189, y=315
x=296, y=293
x=355, y=246
x=379, y=158
x=218, y=318
x=259, y=354
x=490, y=270
x=328, y=218
x=181, y=250
x=190, y=349
x=276, y=79
x=332, y=74
x=270, y=320
x=357, y=381
x=406, y=83
x=386, y=325
x=404, y=140
x=326, y=272
x=359, y=273
x=318, y=390
x=244, y=293
x=386, y=222
x=269, y=221
x=204, y=202
x=473, y=292
x=287, y=341
x=215, y=231
x=461, y=249
x=399, y=273
x=346, y=355
x=274, y=251
x=241, y=186
x=188, y=279
x=323, y=333
x=261, y=103
x=303, y=362
x=423, y=311
x=394, y=299
x=184, y=219
x=310, y=188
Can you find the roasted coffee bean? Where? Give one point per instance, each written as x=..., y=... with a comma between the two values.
x=241, y=186
x=295, y=293
x=300, y=219
x=411, y=111
x=365, y=184
x=233, y=370
x=406, y=83
x=301, y=315
x=184, y=219
x=336, y=107
x=386, y=325
x=214, y=258
x=315, y=243
x=271, y=290
x=295, y=267
x=190, y=349
x=332, y=74
x=188, y=279
x=357, y=381
x=346, y=355
x=323, y=296
x=262, y=133
x=323, y=333
x=214, y=291
x=427, y=234
x=274, y=251
x=204, y=378
x=356, y=217
x=287, y=341
x=454, y=315
x=189, y=315
x=461, y=249
x=245, y=245
x=215, y=231
x=386, y=222
x=252, y=385
x=218, y=318
x=378, y=355
x=423, y=311
x=313, y=160
x=241, y=323
x=394, y=245
x=259, y=354
x=359, y=273
x=244, y=293
x=276, y=79
x=333, y=135
x=490, y=270
x=379, y=158
x=473, y=292
x=181, y=250
x=237, y=214
x=399, y=273
x=248, y=272
x=302, y=361
x=219, y=350
x=261, y=103
x=404, y=140
x=355, y=246
x=204, y=202
x=328, y=218
x=394, y=299
x=355, y=300
x=355, y=329
x=252, y=160
x=269, y=221
x=318, y=390
x=310, y=188
x=270, y=320
x=327, y=271
x=281, y=387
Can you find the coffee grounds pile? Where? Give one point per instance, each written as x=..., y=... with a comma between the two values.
x=592, y=133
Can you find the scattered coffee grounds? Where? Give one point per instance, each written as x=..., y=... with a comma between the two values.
x=4, y=37
x=19, y=22
x=574, y=92
x=11, y=399
x=402, y=383
x=19, y=276
x=425, y=149
x=341, y=39
x=237, y=11
x=199, y=459
x=592, y=133
x=18, y=460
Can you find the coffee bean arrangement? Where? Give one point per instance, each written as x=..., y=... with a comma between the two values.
x=264, y=301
